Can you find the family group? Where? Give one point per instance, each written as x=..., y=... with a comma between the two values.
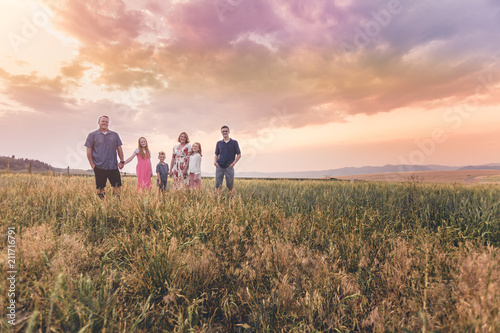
x=103, y=145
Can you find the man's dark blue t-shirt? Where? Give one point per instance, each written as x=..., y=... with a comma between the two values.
x=227, y=152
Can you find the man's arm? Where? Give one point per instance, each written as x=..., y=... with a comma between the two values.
x=90, y=158
x=235, y=160
x=217, y=153
x=120, y=155
x=237, y=151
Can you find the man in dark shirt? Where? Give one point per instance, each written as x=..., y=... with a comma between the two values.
x=102, y=146
x=227, y=154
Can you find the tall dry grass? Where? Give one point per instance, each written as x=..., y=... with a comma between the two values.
x=280, y=256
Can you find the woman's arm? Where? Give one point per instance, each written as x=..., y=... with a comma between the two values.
x=172, y=163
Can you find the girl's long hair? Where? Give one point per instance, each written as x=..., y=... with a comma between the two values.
x=141, y=151
x=199, y=146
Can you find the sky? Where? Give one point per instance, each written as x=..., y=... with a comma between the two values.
x=302, y=84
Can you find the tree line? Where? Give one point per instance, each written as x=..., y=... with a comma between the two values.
x=22, y=164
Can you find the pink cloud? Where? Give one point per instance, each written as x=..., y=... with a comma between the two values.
x=74, y=70
x=97, y=22
x=205, y=62
x=48, y=95
x=205, y=25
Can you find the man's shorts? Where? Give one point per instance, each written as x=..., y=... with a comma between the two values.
x=219, y=177
x=101, y=176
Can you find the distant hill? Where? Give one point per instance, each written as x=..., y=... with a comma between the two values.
x=481, y=167
x=351, y=171
x=21, y=164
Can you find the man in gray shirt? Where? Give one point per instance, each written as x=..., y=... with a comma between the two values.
x=102, y=146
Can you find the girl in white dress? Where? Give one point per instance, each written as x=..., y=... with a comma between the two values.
x=195, y=166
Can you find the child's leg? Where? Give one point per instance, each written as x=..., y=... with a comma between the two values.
x=197, y=181
x=192, y=177
x=163, y=185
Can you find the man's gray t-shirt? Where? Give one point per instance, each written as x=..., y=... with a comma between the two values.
x=104, y=148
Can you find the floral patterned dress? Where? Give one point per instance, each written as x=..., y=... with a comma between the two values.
x=181, y=158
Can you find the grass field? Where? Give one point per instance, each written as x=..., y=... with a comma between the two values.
x=491, y=179
x=281, y=256
x=457, y=176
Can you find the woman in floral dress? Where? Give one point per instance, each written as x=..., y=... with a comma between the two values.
x=180, y=162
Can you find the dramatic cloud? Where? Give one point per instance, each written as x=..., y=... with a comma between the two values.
x=39, y=93
x=254, y=64
x=319, y=61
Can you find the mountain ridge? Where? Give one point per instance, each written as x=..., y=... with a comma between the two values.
x=21, y=164
x=352, y=171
